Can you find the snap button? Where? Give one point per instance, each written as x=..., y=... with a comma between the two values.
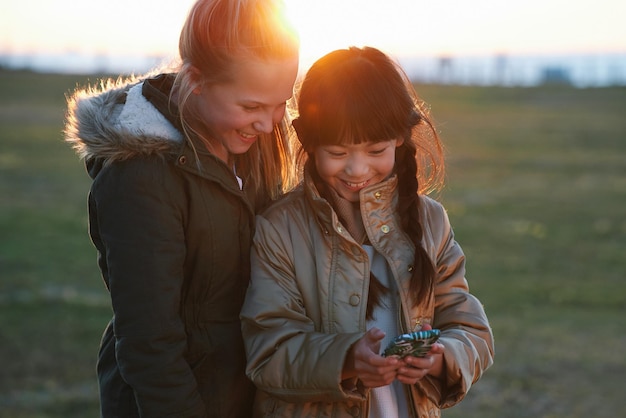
x=355, y=411
x=182, y=160
x=340, y=229
x=410, y=267
x=355, y=300
x=385, y=229
x=377, y=195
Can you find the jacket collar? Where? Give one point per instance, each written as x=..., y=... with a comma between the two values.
x=380, y=197
x=117, y=123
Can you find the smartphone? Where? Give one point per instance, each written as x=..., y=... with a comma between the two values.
x=415, y=344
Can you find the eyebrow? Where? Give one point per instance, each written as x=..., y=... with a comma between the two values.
x=257, y=103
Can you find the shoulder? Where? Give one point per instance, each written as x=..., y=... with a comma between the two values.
x=281, y=224
x=289, y=202
x=432, y=209
x=435, y=221
x=289, y=216
x=144, y=175
x=287, y=208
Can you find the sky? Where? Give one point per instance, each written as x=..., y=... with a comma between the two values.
x=399, y=27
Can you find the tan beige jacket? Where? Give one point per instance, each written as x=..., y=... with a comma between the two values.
x=306, y=305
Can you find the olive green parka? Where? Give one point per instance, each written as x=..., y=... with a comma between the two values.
x=172, y=229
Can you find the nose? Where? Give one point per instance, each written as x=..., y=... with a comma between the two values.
x=356, y=167
x=268, y=119
x=264, y=125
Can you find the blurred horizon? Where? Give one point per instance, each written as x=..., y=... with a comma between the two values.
x=576, y=69
x=445, y=27
x=582, y=43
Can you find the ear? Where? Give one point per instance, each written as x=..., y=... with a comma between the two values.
x=196, y=79
x=399, y=142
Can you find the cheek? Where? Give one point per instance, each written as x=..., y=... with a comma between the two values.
x=326, y=168
x=220, y=114
x=385, y=166
x=229, y=119
x=388, y=168
x=278, y=113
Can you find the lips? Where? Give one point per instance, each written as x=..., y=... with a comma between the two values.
x=246, y=135
x=356, y=185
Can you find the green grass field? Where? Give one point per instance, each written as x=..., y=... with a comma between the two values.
x=536, y=192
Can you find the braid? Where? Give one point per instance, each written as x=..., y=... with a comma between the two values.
x=376, y=292
x=422, y=279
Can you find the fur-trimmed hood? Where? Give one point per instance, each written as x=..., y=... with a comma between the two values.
x=117, y=122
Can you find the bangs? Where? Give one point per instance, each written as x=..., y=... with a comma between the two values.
x=356, y=114
x=354, y=102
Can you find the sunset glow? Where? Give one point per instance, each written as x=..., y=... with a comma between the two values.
x=461, y=27
x=446, y=27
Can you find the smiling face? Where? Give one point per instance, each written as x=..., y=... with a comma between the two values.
x=351, y=167
x=251, y=103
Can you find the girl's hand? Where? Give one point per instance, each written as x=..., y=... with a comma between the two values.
x=364, y=362
x=414, y=369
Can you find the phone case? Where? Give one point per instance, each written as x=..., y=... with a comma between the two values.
x=416, y=344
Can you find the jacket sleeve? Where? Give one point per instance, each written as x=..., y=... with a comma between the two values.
x=465, y=330
x=287, y=356
x=141, y=230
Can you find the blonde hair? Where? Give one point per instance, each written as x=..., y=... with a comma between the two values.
x=219, y=34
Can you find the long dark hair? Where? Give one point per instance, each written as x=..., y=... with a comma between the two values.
x=359, y=95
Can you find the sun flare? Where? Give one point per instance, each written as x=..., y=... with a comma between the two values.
x=480, y=27
x=398, y=27
x=325, y=25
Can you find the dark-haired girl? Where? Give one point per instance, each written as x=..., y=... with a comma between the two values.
x=359, y=254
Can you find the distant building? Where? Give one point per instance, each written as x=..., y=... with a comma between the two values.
x=556, y=75
x=500, y=69
x=446, y=73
